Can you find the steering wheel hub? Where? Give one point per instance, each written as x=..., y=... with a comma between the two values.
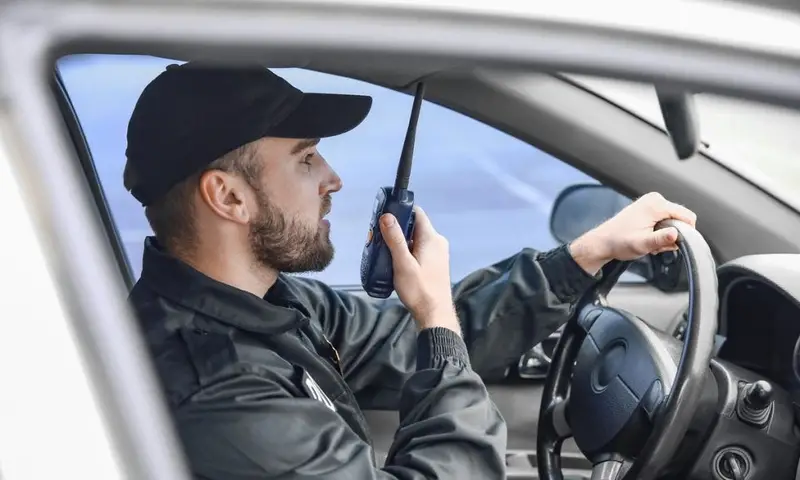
x=609, y=363
x=622, y=370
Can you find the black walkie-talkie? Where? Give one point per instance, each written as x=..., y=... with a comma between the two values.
x=377, y=275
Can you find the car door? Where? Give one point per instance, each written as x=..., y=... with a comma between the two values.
x=500, y=202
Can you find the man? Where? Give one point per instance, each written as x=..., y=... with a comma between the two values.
x=267, y=374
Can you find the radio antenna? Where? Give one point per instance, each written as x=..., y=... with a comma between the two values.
x=404, y=166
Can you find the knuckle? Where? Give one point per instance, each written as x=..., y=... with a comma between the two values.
x=653, y=197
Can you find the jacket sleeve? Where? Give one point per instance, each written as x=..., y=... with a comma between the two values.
x=505, y=309
x=249, y=425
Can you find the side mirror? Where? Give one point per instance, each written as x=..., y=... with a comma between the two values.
x=579, y=208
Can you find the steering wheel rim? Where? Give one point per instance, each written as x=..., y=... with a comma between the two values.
x=674, y=413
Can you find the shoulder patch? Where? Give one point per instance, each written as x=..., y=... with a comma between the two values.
x=314, y=391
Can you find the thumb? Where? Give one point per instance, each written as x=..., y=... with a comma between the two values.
x=663, y=238
x=395, y=240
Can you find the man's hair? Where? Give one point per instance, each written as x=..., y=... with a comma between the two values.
x=172, y=216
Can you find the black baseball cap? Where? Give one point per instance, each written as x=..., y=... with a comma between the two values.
x=194, y=113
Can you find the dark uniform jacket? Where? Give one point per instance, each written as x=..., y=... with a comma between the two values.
x=274, y=387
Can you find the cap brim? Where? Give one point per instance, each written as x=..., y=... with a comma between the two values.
x=320, y=115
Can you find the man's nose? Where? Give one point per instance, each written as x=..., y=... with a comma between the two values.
x=336, y=182
x=333, y=183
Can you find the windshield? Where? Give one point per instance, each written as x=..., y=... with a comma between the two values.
x=756, y=140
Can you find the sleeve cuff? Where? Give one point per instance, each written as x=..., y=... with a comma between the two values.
x=568, y=281
x=438, y=345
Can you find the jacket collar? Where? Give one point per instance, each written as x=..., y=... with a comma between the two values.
x=177, y=281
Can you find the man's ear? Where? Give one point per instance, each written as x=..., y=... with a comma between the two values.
x=225, y=195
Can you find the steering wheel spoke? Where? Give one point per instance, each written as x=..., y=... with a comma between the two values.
x=558, y=418
x=553, y=422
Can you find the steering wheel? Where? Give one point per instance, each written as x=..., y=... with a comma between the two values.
x=624, y=391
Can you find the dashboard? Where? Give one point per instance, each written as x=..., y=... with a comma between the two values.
x=756, y=371
x=759, y=318
x=760, y=327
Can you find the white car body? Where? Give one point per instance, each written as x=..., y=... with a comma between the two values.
x=99, y=430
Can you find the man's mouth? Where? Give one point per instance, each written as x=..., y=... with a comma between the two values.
x=326, y=207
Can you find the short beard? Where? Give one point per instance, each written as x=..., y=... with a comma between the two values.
x=285, y=244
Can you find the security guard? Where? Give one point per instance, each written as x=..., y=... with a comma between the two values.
x=267, y=374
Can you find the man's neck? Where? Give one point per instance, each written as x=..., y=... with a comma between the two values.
x=245, y=275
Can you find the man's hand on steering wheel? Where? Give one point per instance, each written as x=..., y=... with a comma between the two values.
x=630, y=234
x=624, y=392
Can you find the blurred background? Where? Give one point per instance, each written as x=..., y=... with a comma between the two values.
x=489, y=193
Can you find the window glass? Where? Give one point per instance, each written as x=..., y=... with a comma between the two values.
x=756, y=140
x=489, y=193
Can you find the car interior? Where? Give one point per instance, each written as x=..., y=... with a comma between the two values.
x=743, y=421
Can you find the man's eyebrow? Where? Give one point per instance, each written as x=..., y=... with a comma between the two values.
x=303, y=144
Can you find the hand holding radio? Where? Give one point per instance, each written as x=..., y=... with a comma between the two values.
x=377, y=277
x=421, y=273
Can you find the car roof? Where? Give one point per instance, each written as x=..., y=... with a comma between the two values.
x=754, y=24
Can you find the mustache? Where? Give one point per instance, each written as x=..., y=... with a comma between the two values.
x=327, y=204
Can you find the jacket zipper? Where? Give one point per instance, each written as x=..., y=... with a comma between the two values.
x=335, y=357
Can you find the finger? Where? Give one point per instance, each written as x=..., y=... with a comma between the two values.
x=422, y=225
x=651, y=197
x=663, y=238
x=679, y=212
x=395, y=240
x=422, y=219
x=667, y=249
